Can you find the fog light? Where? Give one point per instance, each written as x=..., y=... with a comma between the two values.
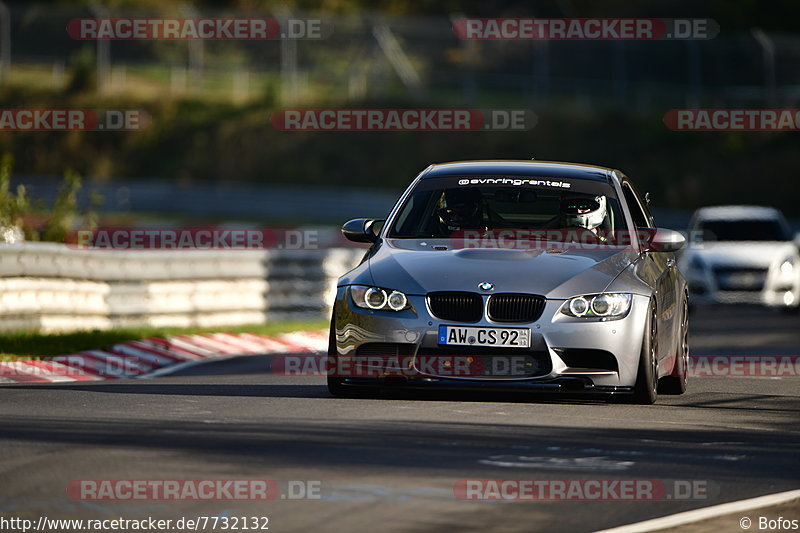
x=788, y=298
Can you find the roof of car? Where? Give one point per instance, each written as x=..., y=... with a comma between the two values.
x=727, y=212
x=552, y=169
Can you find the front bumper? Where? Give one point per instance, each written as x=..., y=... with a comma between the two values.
x=575, y=354
x=776, y=291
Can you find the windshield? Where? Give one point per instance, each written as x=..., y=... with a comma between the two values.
x=743, y=230
x=443, y=207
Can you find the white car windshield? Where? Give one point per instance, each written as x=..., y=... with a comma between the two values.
x=743, y=230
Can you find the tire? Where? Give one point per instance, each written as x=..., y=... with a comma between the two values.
x=645, y=391
x=675, y=383
x=336, y=384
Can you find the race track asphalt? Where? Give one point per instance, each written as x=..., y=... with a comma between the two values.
x=391, y=464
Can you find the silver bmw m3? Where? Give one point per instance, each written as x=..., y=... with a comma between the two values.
x=513, y=275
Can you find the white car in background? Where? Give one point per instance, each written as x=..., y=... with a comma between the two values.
x=741, y=254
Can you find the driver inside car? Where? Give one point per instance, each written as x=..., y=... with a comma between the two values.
x=584, y=213
x=461, y=209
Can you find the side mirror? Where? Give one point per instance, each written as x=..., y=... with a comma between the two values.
x=664, y=240
x=361, y=230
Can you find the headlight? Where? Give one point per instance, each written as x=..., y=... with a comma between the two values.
x=787, y=267
x=376, y=298
x=614, y=305
x=397, y=301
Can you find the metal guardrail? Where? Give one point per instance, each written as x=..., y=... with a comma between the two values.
x=49, y=286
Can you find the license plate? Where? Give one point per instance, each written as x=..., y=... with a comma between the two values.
x=471, y=336
x=743, y=280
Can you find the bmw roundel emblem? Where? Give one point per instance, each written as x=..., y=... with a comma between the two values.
x=485, y=286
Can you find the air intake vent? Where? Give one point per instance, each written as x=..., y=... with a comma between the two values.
x=456, y=306
x=515, y=307
x=588, y=359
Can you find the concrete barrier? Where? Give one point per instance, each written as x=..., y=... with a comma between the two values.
x=53, y=287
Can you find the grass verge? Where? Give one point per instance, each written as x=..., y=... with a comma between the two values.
x=28, y=344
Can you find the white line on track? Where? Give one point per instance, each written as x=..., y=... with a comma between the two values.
x=706, y=513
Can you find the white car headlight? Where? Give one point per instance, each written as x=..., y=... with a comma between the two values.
x=376, y=298
x=607, y=305
x=787, y=267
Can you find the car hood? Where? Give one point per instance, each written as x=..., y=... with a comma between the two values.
x=421, y=266
x=743, y=254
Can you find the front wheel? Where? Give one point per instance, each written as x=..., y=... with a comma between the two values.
x=645, y=391
x=676, y=382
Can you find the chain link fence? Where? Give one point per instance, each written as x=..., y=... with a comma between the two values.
x=370, y=57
